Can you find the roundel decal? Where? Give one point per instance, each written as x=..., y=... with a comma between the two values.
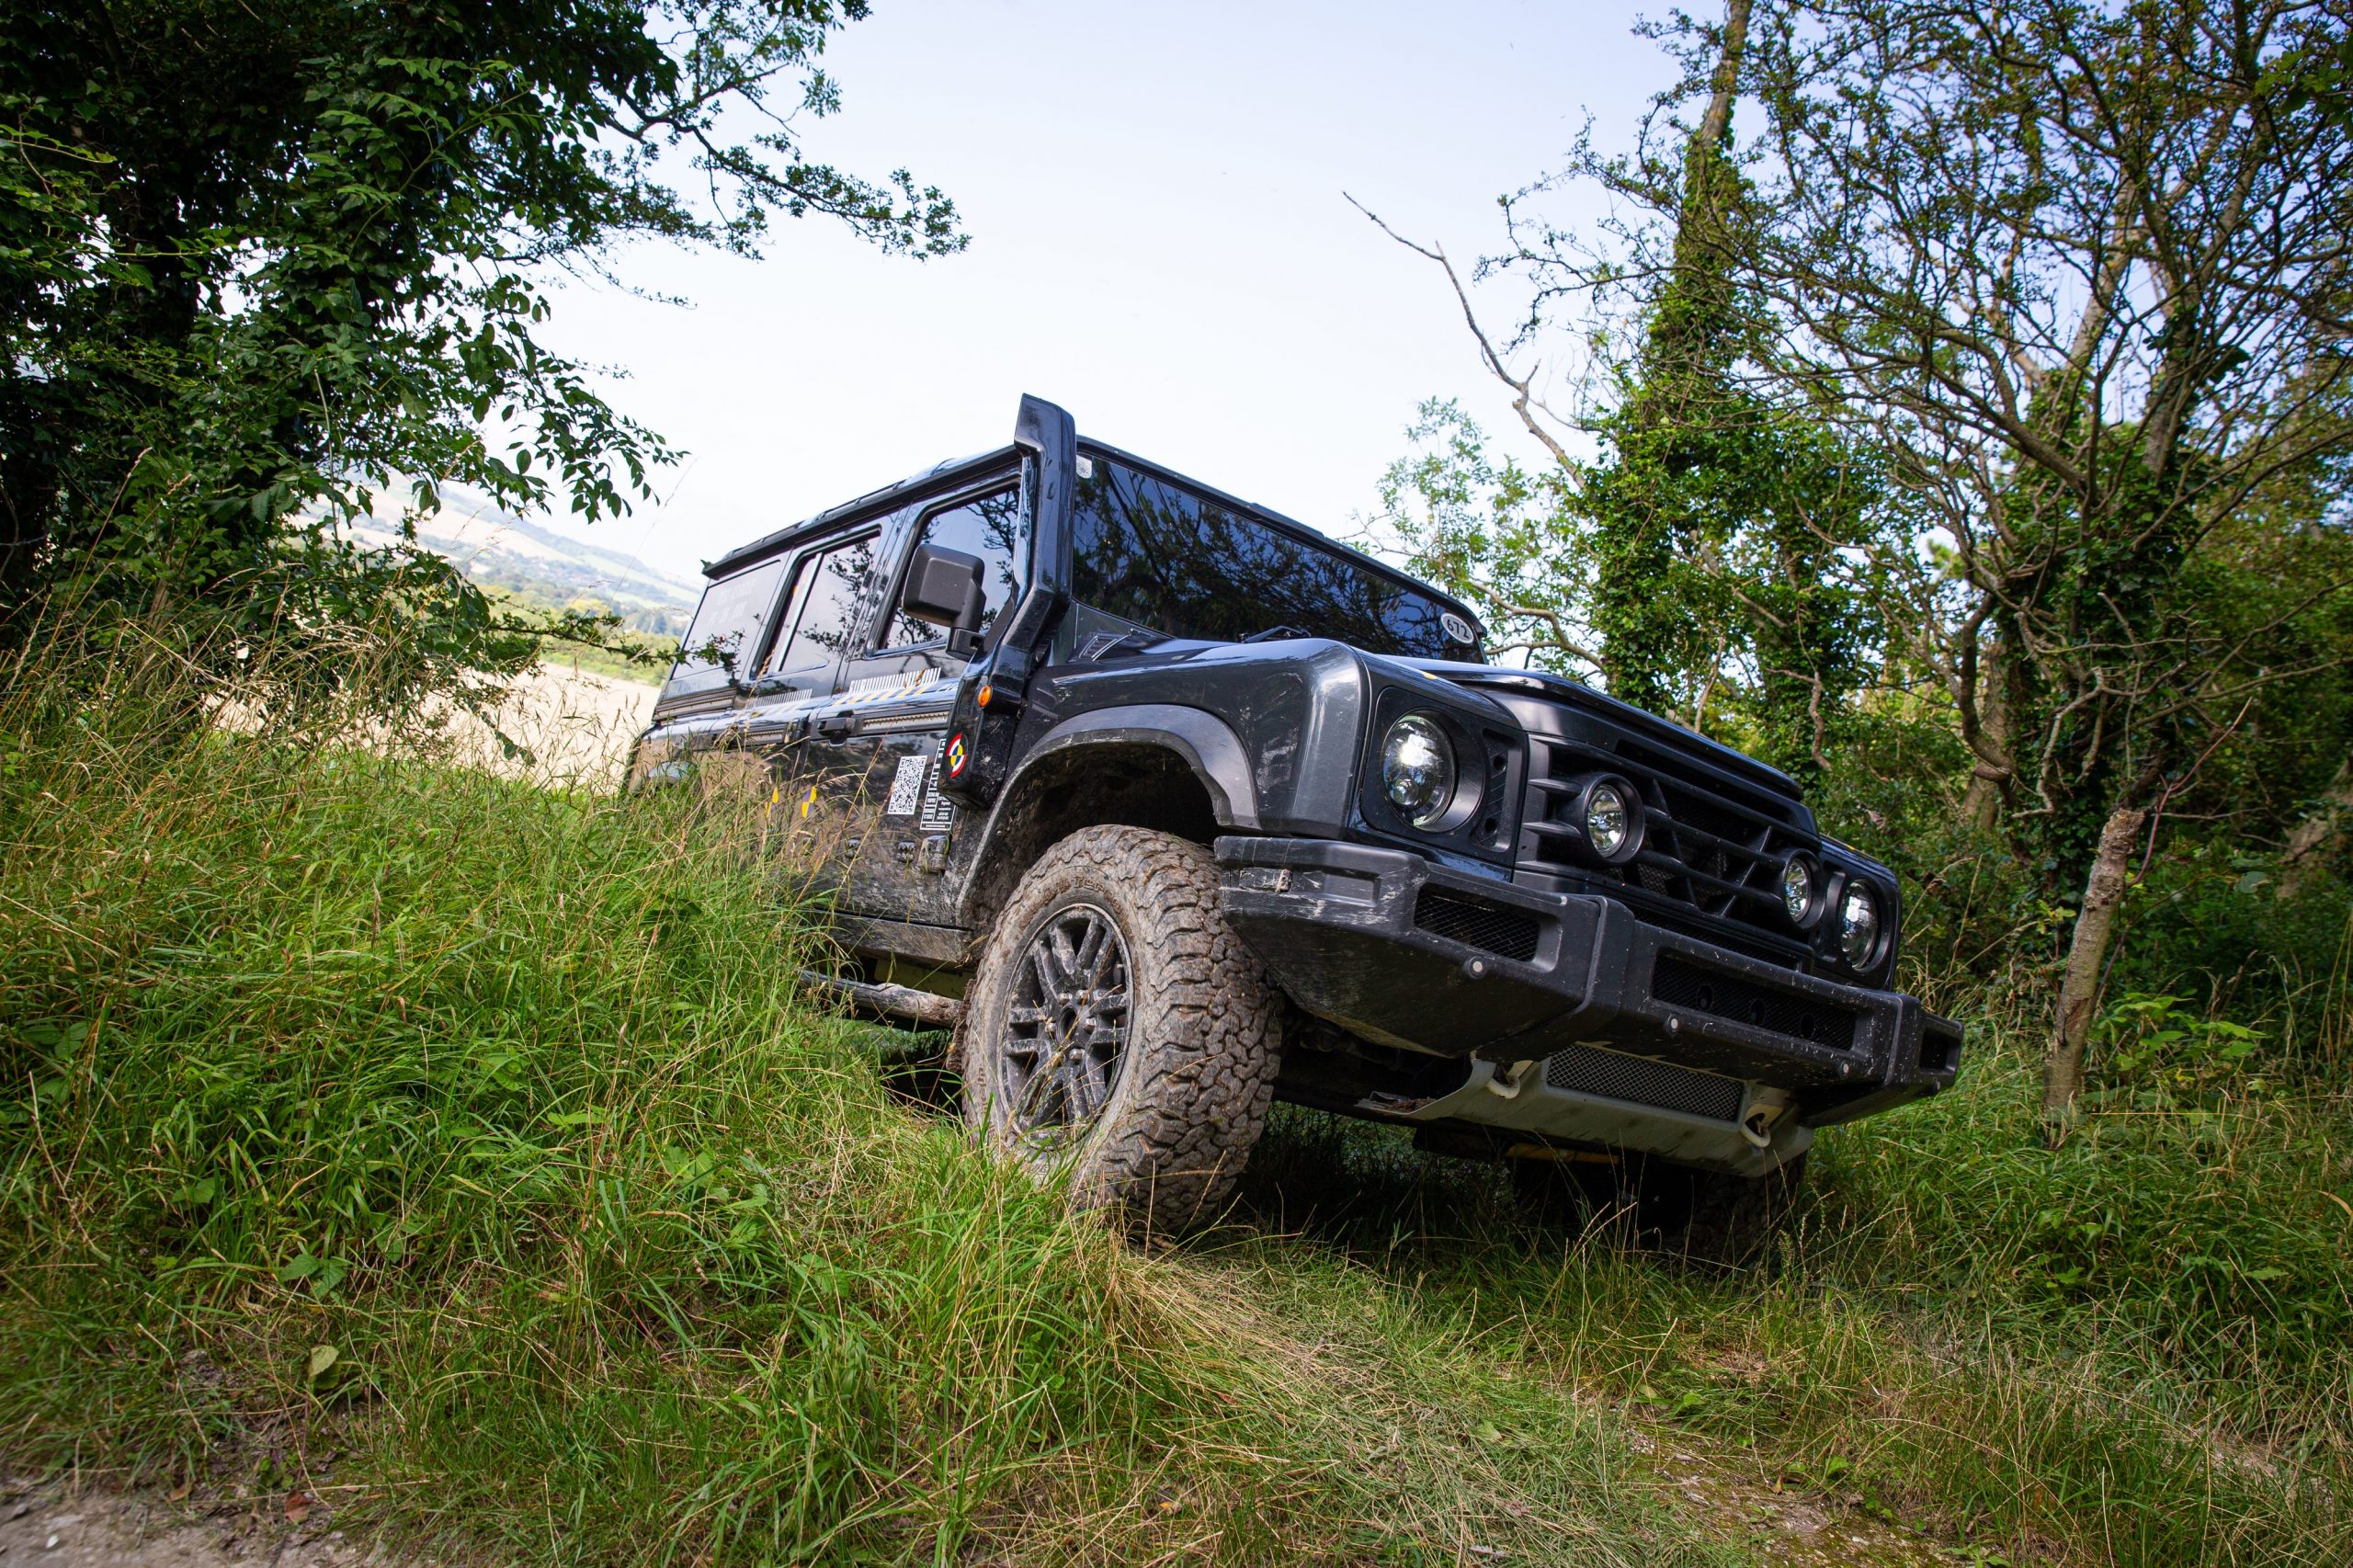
x=1456, y=628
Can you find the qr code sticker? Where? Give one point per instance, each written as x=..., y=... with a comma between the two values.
x=906, y=789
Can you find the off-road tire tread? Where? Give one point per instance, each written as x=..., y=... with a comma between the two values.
x=1203, y=1049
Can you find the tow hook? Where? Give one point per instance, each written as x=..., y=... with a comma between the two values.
x=1506, y=1086
x=1765, y=1108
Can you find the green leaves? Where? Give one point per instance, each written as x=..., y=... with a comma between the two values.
x=264, y=279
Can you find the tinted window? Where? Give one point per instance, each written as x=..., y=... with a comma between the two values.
x=1161, y=557
x=728, y=623
x=820, y=617
x=990, y=528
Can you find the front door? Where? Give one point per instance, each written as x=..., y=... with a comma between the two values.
x=884, y=741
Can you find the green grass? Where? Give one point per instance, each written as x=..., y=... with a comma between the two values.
x=625, y=1253
x=1904, y=1353
x=505, y=1096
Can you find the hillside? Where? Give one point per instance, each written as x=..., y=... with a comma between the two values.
x=401, y=1147
x=540, y=567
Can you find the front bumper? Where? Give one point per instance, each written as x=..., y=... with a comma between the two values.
x=1399, y=951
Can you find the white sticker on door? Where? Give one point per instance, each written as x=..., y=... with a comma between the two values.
x=938, y=811
x=906, y=789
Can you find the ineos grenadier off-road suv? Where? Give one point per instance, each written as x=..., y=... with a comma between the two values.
x=1175, y=807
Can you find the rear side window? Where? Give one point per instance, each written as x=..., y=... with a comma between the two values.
x=1161, y=557
x=820, y=616
x=728, y=623
x=989, y=526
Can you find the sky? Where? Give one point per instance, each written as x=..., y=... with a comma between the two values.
x=1160, y=243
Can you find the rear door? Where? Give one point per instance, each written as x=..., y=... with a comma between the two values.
x=797, y=681
x=696, y=711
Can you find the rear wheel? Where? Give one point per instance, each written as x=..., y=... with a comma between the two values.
x=1117, y=1030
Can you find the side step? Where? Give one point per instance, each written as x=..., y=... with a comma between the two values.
x=891, y=1000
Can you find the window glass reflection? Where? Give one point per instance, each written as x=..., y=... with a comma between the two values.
x=822, y=617
x=1159, y=556
x=727, y=625
x=990, y=528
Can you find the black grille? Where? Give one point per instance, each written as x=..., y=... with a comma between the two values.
x=1712, y=846
x=1681, y=984
x=1640, y=1081
x=1506, y=933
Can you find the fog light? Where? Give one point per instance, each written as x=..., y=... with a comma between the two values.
x=1608, y=819
x=1801, y=889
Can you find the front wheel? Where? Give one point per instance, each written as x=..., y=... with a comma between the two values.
x=1119, y=1030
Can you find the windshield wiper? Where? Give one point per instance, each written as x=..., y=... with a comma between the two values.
x=1276, y=632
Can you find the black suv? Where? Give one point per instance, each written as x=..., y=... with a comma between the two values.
x=1174, y=806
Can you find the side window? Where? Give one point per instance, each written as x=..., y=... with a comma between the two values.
x=728, y=623
x=821, y=615
x=989, y=526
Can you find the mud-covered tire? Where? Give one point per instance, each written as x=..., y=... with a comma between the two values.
x=1190, y=1089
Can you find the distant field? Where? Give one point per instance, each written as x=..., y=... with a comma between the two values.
x=576, y=723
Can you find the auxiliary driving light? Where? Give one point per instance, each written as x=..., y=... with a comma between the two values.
x=1801, y=889
x=1859, y=924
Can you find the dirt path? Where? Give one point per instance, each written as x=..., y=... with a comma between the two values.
x=49, y=1526
x=576, y=725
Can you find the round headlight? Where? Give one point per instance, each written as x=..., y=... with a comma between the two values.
x=1608, y=819
x=1859, y=924
x=1417, y=769
x=1800, y=889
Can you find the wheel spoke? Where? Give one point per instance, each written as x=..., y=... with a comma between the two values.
x=1087, y=963
x=1041, y=958
x=1065, y=1023
x=1084, y=1089
x=1065, y=960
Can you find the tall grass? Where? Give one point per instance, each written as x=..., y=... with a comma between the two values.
x=457, y=1149
x=355, y=1104
x=2128, y=1350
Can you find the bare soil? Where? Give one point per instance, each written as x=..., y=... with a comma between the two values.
x=57, y=1525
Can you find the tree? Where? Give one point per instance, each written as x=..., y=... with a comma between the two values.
x=1696, y=563
x=2080, y=273
x=257, y=264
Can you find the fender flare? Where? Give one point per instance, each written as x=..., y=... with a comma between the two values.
x=1206, y=743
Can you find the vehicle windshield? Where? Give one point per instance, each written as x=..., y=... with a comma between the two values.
x=1161, y=557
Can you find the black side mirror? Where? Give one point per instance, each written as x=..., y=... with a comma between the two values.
x=943, y=586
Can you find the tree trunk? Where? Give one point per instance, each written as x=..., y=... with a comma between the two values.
x=1725, y=87
x=2062, y=1066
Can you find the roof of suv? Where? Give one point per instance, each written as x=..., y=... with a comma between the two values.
x=942, y=475
x=873, y=500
